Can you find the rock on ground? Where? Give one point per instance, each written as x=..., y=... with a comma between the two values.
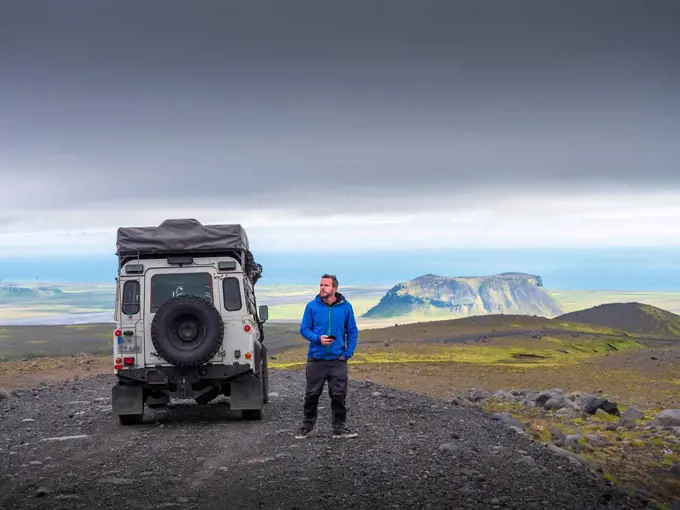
x=412, y=452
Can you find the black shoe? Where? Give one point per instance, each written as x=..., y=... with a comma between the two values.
x=343, y=433
x=302, y=433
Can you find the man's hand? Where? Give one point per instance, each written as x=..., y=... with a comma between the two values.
x=325, y=340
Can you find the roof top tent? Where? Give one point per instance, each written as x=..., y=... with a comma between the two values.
x=187, y=236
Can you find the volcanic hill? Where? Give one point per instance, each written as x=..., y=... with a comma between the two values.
x=635, y=318
x=435, y=296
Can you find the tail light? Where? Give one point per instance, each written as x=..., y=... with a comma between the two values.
x=128, y=361
x=246, y=328
x=118, y=332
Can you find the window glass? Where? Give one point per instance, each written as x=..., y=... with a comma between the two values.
x=130, y=302
x=167, y=286
x=232, y=294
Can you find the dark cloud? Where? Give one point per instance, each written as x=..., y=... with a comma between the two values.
x=284, y=101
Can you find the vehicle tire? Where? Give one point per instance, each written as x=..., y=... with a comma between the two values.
x=187, y=331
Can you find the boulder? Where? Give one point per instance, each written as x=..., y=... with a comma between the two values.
x=505, y=396
x=460, y=401
x=577, y=459
x=632, y=414
x=544, y=396
x=675, y=469
x=668, y=418
x=597, y=440
x=583, y=400
x=558, y=402
x=508, y=419
x=476, y=394
x=604, y=404
x=567, y=412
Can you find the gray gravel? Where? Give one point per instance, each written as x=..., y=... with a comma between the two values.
x=62, y=448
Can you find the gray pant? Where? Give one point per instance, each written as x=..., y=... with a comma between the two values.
x=318, y=372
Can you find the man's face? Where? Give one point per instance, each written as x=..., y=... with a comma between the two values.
x=326, y=287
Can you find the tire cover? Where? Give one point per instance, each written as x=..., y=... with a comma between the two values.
x=201, y=319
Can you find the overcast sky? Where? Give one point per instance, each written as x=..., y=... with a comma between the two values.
x=341, y=125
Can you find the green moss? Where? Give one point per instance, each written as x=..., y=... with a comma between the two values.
x=606, y=417
x=610, y=477
x=589, y=457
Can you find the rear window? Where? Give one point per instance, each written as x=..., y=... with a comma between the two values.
x=167, y=286
x=130, y=301
x=232, y=294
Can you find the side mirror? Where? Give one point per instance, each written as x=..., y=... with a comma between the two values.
x=264, y=313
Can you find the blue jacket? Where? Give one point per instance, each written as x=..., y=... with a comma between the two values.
x=336, y=319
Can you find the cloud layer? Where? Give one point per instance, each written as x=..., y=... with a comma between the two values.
x=396, y=116
x=493, y=222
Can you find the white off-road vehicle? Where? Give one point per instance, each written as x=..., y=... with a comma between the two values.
x=187, y=322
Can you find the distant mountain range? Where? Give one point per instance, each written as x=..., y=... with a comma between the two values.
x=14, y=293
x=48, y=304
x=441, y=296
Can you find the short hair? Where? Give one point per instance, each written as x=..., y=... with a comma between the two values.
x=332, y=277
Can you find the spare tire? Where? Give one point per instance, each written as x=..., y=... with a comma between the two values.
x=187, y=331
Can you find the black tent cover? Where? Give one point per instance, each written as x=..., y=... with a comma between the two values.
x=187, y=237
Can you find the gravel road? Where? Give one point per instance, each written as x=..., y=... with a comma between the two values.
x=62, y=448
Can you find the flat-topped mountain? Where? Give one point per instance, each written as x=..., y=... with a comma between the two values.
x=632, y=317
x=441, y=296
x=10, y=293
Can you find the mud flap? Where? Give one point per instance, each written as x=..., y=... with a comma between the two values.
x=127, y=399
x=246, y=393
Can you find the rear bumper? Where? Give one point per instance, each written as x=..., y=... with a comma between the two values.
x=168, y=377
x=203, y=383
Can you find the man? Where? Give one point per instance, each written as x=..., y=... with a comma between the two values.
x=329, y=325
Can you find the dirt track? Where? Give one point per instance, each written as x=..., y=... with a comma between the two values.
x=413, y=452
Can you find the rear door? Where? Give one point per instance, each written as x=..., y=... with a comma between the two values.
x=163, y=284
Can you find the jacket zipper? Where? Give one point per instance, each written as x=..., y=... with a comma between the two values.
x=328, y=347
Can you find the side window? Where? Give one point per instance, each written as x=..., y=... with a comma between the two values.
x=232, y=294
x=130, y=301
